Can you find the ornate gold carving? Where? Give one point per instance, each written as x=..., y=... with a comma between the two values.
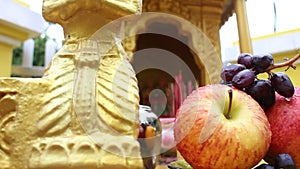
x=168, y=6
x=129, y=46
x=201, y=44
x=82, y=152
x=83, y=112
x=7, y=118
x=122, y=94
x=211, y=29
x=54, y=117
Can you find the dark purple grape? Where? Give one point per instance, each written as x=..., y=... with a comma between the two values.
x=229, y=71
x=282, y=84
x=243, y=79
x=284, y=161
x=262, y=62
x=245, y=59
x=264, y=166
x=263, y=92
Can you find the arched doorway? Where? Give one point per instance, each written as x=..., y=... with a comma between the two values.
x=165, y=63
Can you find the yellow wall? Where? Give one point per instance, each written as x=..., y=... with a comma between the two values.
x=5, y=59
x=13, y=32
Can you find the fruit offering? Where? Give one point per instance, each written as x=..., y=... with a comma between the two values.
x=282, y=161
x=243, y=75
x=262, y=62
x=262, y=91
x=284, y=119
x=282, y=84
x=243, y=120
x=149, y=136
x=221, y=127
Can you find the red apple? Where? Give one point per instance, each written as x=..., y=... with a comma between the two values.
x=284, y=118
x=221, y=127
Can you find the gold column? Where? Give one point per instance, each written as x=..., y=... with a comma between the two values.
x=243, y=27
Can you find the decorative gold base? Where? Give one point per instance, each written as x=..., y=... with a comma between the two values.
x=24, y=144
x=79, y=152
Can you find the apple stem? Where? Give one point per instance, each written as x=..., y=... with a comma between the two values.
x=227, y=115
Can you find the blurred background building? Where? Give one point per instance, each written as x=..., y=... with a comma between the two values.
x=17, y=24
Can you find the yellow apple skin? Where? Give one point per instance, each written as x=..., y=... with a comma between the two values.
x=284, y=118
x=208, y=140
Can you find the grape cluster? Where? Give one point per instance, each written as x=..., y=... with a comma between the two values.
x=243, y=75
x=282, y=161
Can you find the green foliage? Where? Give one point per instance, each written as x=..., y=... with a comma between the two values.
x=39, y=51
x=17, y=55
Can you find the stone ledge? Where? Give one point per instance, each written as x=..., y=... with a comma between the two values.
x=35, y=71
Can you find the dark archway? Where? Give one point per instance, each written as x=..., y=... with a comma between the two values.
x=179, y=77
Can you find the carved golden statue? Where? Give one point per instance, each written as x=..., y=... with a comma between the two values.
x=83, y=113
